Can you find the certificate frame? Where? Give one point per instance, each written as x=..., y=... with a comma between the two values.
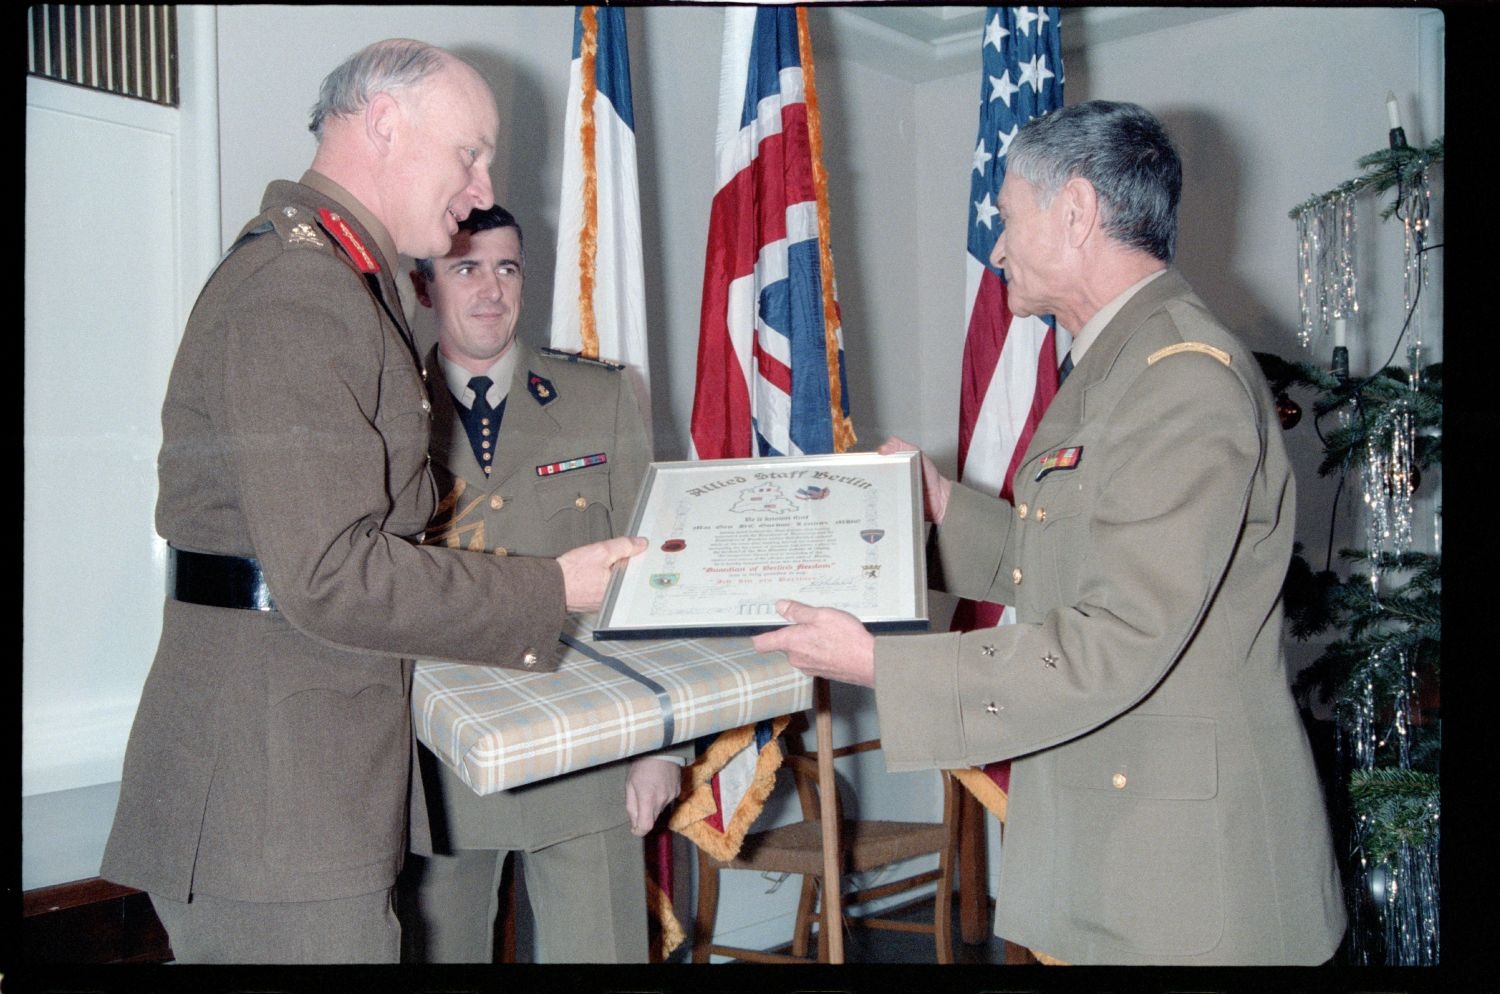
x=729, y=537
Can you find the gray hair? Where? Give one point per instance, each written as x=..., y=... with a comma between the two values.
x=380, y=67
x=482, y=220
x=1124, y=151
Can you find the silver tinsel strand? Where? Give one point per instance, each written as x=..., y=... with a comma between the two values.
x=1326, y=282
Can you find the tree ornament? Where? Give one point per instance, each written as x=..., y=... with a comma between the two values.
x=1288, y=411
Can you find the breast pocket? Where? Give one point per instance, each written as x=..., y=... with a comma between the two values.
x=1058, y=541
x=1139, y=823
x=575, y=506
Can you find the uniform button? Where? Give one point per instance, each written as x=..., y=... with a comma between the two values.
x=485, y=432
x=1023, y=509
x=484, y=444
x=1015, y=576
x=497, y=502
x=484, y=421
x=528, y=659
x=1041, y=514
x=581, y=503
x=1118, y=780
x=426, y=405
x=289, y=211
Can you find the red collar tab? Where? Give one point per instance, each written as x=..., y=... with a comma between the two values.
x=345, y=236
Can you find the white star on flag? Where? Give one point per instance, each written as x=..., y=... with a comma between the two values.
x=1001, y=88
x=981, y=157
x=1024, y=17
x=1035, y=72
x=984, y=210
x=994, y=33
x=1005, y=138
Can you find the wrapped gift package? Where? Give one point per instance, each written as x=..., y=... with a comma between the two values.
x=501, y=728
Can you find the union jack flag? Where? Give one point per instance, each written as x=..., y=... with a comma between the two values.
x=770, y=350
x=1010, y=363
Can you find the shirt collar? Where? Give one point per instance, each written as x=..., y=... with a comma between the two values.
x=1104, y=316
x=500, y=373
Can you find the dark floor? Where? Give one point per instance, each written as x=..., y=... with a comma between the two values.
x=866, y=945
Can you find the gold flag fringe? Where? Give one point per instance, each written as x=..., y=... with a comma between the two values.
x=843, y=427
x=672, y=934
x=696, y=801
x=588, y=235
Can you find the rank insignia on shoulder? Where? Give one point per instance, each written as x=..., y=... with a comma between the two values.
x=336, y=226
x=303, y=234
x=541, y=388
x=580, y=357
x=1064, y=458
x=553, y=468
x=1203, y=347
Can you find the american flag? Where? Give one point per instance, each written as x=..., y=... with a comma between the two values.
x=1010, y=363
x=770, y=349
x=598, y=289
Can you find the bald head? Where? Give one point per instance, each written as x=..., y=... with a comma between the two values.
x=409, y=130
x=385, y=66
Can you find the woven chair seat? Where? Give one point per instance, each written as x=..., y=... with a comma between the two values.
x=867, y=845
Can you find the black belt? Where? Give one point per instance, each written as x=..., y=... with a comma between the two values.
x=217, y=581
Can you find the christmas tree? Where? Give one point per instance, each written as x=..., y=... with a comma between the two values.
x=1381, y=673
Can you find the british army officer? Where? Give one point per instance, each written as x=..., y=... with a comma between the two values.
x=534, y=452
x=267, y=777
x=1164, y=807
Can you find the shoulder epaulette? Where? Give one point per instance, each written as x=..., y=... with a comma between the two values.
x=578, y=357
x=1203, y=347
x=295, y=226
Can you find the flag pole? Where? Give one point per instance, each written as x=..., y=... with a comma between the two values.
x=833, y=909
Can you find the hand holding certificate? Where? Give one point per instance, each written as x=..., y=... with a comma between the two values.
x=729, y=538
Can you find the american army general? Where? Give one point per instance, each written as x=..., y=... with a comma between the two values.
x=1164, y=807
x=268, y=772
x=534, y=452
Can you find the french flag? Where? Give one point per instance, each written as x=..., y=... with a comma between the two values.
x=599, y=288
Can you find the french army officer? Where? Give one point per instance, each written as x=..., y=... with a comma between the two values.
x=534, y=452
x=1164, y=807
x=266, y=785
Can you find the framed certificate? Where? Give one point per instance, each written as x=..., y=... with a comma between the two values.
x=730, y=537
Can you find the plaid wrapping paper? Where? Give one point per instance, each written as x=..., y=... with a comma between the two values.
x=501, y=728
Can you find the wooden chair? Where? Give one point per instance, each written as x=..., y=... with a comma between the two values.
x=864, y=845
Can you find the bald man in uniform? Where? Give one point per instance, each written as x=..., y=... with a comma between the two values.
x=268, y=774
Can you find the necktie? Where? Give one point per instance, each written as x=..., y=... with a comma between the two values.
x=1065, y=368
x=483, y=422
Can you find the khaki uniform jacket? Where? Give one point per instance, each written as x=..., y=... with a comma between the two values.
x=1164, y=807
x=576, y=409
x=271, y=752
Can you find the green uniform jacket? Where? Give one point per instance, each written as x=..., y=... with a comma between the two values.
x=271, y=752
x=1164, y=807
x=575, y=409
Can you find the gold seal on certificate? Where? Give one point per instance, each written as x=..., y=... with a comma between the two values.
x=730, y=537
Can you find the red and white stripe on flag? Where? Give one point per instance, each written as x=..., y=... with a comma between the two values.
x=1010, y=363
x=599, y=286
x=770, y=350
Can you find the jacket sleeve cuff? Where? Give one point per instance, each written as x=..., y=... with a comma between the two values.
x=916, y=697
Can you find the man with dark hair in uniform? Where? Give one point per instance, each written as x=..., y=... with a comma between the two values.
x=534, y=451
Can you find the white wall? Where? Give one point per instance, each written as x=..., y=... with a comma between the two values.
x=1269, y=106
